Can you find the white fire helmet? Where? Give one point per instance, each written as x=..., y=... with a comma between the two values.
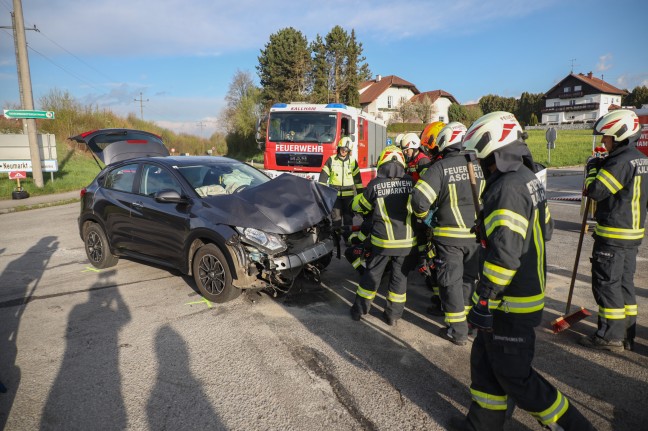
x=492, y=132
x=450, y=135
x=621, y=124
x=410, y=142
x=398, y=139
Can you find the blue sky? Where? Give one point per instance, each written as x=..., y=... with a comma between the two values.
x=182, y=54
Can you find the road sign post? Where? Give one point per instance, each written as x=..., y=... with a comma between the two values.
x=551, y=136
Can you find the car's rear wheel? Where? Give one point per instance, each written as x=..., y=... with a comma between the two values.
x=212, y=275
x=97, y=248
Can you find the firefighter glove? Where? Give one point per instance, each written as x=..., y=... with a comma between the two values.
x=424, y=266
x=353, y=239
x=480, y=315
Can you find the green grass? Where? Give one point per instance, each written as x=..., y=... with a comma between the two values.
x=573, y=147
x=78, y=168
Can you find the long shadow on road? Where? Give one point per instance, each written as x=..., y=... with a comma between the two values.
x=177, y=400
x=18, y=281
x=324, y=311
x=87, y=391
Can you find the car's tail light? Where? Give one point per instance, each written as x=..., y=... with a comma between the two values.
x=83, y=192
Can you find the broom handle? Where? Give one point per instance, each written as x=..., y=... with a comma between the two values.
x=475, y=193
x=578, y=252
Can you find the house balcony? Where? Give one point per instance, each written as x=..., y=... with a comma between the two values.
x=571, y=108
x=571, y=95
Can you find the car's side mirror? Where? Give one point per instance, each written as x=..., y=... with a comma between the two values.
x=170, y=196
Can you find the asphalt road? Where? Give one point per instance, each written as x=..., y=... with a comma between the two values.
x=134, y=347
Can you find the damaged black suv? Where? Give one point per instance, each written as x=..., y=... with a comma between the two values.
x=222, y=221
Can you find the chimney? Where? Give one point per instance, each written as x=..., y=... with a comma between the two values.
x=378, y=78
x=589, y=75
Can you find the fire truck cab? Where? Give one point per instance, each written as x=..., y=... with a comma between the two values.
x=642, y=143
x=300, y=137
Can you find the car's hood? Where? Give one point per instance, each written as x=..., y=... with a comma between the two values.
x=283, y=205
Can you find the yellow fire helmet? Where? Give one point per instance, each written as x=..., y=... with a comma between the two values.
x=345, y=143
x=390, y=153
x=430, y=133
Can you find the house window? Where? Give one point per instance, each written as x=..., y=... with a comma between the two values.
x=556, y=104
x=390, y=102
x=572, y=102
x=578, y=88
x=567, y=89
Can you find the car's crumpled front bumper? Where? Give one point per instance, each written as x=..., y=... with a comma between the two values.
x=295, y=261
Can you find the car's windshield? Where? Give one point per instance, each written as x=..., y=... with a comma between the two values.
x=302, y=127
x=222, y=177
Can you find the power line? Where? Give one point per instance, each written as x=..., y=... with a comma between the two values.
x=72, y=54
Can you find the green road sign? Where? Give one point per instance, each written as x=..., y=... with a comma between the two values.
x=21, y=114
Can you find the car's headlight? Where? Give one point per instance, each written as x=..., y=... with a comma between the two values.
x=267, y=241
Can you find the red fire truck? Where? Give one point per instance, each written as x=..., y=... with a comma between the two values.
x=642, y=143
x=300, y=137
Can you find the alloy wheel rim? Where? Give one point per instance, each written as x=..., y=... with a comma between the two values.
x=212, y=274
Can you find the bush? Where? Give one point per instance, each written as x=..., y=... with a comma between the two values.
x=397, y=128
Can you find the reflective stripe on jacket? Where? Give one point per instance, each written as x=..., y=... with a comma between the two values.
x=445, y=188
x=620, y=189
x=515, y=222
x=392, y=223
x=342, y=174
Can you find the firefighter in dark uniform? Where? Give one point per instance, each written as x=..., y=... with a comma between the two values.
x=509, y=298
x=445, y=190
x=619, y=185
x=393, y=236
x=417, y=160
x=341, y=172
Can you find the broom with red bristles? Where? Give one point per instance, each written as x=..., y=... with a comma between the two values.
x=564, y=322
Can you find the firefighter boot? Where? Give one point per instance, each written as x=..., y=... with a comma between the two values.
x=596, y=342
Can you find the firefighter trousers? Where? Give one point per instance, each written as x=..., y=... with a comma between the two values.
x=613, y=270
x=501, y=373
x=456, y=274
x=396, y=288
x=341, y=213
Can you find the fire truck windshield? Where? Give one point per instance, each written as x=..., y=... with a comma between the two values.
x=302, y=127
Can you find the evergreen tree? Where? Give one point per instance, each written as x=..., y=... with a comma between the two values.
x=284, y=66
x=350, y=94
x=528, y=104
x=319, y=75
x=337, y=42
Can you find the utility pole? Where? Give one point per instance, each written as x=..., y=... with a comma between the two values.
x=27, y=97
x=201, y=125
x=141, y=101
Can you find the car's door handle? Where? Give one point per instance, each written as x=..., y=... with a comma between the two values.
x=138, y=205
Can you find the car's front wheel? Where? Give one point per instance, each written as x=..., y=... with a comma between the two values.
x=212, y=275
x=97, y=248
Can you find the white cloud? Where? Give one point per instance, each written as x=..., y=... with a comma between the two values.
x=212, y=27
x=630, y=81
x=604, y=63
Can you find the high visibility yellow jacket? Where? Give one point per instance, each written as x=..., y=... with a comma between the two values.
x=343, y=174
x=445, y=188
x=620, y=189
x=516, y=221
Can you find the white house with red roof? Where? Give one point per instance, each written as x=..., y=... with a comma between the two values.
x=579, y=98
x=383, y=95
